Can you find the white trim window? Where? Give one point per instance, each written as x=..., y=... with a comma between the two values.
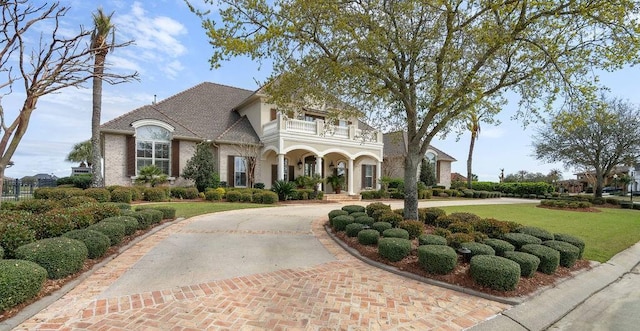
x=368, y=175
x=153, y=147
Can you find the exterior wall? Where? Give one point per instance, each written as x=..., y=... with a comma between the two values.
x=224, y=151
x=187, y=149
x=255, y=113
x=394, y=168
x=445, y=174
x=115, y=160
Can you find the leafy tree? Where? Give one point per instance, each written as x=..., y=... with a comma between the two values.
x=427, y=173
x=201, y=167
x=81, y=152
x=597, y=136
x=423, y=65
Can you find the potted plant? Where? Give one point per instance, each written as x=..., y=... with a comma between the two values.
x=336, y=182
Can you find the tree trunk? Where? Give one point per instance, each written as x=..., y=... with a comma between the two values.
x=96, y=164
x=411, y=162
x=2, y=168
x=470, y=159
x=597, y=191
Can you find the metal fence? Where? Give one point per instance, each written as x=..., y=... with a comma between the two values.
x=16, y=189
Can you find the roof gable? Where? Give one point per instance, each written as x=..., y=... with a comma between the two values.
x=395, y=144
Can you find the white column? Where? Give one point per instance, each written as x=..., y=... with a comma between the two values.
x=378, y=175
x=281, y=167
x=350, y=172
x=319, y=170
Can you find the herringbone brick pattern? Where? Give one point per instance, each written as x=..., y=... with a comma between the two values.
x=342, y=295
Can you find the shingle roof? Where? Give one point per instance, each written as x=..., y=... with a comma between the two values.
x=240, y=132
x=201, y=112
x=395, y=144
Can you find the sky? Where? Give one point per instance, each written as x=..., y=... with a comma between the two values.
x=171, y=54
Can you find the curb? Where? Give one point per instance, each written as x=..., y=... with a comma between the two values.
x=44, y=302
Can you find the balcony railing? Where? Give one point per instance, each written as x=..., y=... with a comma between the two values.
x=318, y=128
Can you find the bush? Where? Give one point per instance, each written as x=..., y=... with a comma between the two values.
x=98, y=193
x=14, y=235
x=495, y=272
x=340, y=222
x=441, y=232
x=97, y=243
x=575, y=241
x=394, y=249
x=101, y=211
x=144, y=220
x=465, y=217
x=121, y=195
x=353, y=208
x=431, y=239
x=430, y=215
x=549, y=257
x=368, y=237
x=20, y=280
x=370, y=195
x=381, y=226
x=59, y=256
x=357, y=214
x=51, y=224
x=365, y=220
x=213, y=195
x=283, y=189
x=154, y=215
x=167, y=212
x=444, y=221
x=115, y=231
x=352, y=229
x=246, y=197
x=456, y=239
x=155, y=194
x=492, y=227
x=414, y=228
x=437, y=259
x=76, y=201
x=568, y=253
x=460, y=227
x=37, y=206
x=130, y=223
x=520, y=239
x=542, y=234
x=499, y=246
x=372, y=207
x=337, y=212
x=390, y=217
x=234, y=196
x=395, y=233
x=267, y=197
x=528, y=263
x=478, y=248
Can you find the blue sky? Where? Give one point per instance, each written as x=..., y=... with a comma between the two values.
x=171, y=54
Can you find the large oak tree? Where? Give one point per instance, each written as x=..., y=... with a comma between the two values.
x=424, y=64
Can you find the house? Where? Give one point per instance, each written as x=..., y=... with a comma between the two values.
x=395, y=149
x=240, y=125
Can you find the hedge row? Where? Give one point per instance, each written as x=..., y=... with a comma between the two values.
x=242, y=195
x=124, y=194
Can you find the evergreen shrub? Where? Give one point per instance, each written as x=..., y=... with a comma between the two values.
x=368, y=237
x=413, y=227
x=549, y=257
x=115, y=231
x=499, y=246
x=352, y=229
x=340, y=222
x=394, y=249
x=540, y=233
x=520, y=239
x=381, y=226
x=568, y=253
x=528, y=263
x=573, y=240
x=130, y=223
x=396, y=233
x=353, y=208
x=437, y=259
x=21, y=280
x=431, y=239
x=97, y=243
x=478, y=248
x=495, y=272
x=59, y=256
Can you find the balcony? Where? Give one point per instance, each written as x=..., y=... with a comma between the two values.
x=319, y=129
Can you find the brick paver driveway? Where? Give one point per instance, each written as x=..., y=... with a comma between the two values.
x=257, y=269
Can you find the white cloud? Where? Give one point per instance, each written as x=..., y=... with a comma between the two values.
x=492, y=132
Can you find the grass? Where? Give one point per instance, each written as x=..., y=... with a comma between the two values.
x=605, y=233
x=190, y=209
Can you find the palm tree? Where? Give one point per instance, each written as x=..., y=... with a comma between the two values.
x=100, y=47
x=473, y=125
x=81, y=152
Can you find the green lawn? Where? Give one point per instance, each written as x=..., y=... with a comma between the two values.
x=190, y=209
x=605, y=234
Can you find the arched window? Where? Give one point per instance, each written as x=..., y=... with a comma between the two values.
x=153, y=147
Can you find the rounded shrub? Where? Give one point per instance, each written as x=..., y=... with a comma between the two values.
x=144, y=220
x=573, y=240
x=98, y=193
x=352, y=229
x=353, y=208
x=358, y=214
x=52, y=224
x=14, y=235
x=465, y=217
x=101, y=211
x=191, y=193
x=365, y=220
x=444, y=221
x=37, y=206
x=395, y=233
x=97, y=243
x=495, y=272
x=154, y=215
x=415, y=228
x=381, y=226
x=441, y=232
x=167, y=212
x=568, y=253
x=456, y=239
x=130, y=223
x=121, y=195
x=520, y=239
x=59, y=256
x=540, y=233
x=213, y=195
x=337, y=212
x=528, y=263
x=115, y=231
x=492, y=227
x=21, y=280
x=390, y=217
x=478, y=248
x=432, y=239
x=499, y=246
x=460, y=227
x=339, y=223
x=437, y=259
x=269, y=197
x=372, y=207
x=430, y=215
x=368, y=237
x=394, y=249
x=155, y=194
x=549, y=257
x=76, y=201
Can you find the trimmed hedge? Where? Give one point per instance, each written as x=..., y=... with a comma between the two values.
x=340, y=222
x=76, y=201
x=568, y=253
x=14, y=235
x=167, y=212
x=59, y=256
x=394, y=249
x=437, y=259
x=98, y=193
x=337, y=212
x=365, y=220
x=130, y=223
x=37, y=206
x=266, y=197
x=144, y=220
x=499, y=246
x=520, y=239
x=368, y=237
x=358, y=214
x=528, y=263
x=432, y=239
x=97, y=243
x=396, y=233
x=549, y=257
x=154, y=215
x=495, y=272
x=478, y=248
x=51, y=224
x=456, y=239
x=430, y=215
x=492, y=227
x=115, y=231
x=540, y=233
x=19, y=281
x=415, y=228
x=123, y=195
x=381, y=226
x=352, y=229
x=573, y=240
x=353, y=208
x=391, y=217
x=213, y=195
x=372, y=207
